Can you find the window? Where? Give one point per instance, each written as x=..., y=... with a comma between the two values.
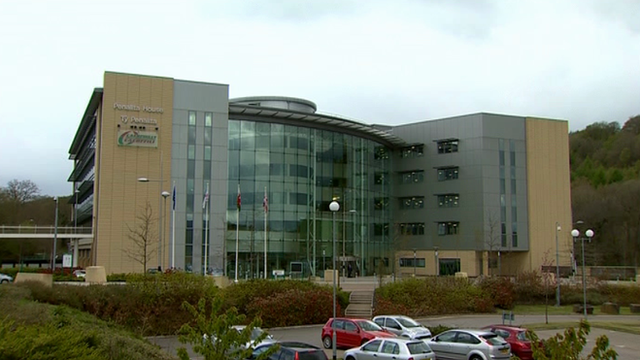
x=447, y=146
x=381, y=153
x=380, y=178
x=448, y=228
x=390, y=347
x=350, y=326
x=412, y=177
x=380, y=203
x=208, y=119
x=192, y=117
x=408, y=262
x=373, y=346
x=449, y=266
x=412, y=151
x=449, y=173
x=448, y=200
x=414, y=202
x=380, y=229
x=411, y=228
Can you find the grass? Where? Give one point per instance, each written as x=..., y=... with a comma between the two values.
x=562, y=310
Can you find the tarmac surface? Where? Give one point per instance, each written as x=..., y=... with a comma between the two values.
x=627, y=345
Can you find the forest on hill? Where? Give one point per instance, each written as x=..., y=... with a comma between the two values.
x=605, y=184
x=605, y=190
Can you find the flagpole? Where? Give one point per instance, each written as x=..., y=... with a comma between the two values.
x=237, y=229
x=206, y=230
x=266, y=213
x=173, y=229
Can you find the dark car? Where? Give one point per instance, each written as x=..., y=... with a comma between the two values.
x=516, y=337
x=352, y=332
x=291, y=350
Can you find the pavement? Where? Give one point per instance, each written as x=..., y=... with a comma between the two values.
x=627, y=345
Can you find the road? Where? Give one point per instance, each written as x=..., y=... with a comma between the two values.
x=627, y=345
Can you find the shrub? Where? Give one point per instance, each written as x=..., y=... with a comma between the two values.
x=294, y=307
x=500, y=290
x=438, y=329
x=529, y=288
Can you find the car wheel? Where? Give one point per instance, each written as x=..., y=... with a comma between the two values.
x=4, y=281
x=475, y=357
x=326, y=342
x=350, y=358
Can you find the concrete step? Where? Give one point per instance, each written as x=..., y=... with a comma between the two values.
x=358, y=310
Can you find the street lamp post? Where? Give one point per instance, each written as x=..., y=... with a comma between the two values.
x=436, y=264
x=165, y=195
x=414, y=262
x=55, y=238
x=334, y=207
x=589, y=233
x=557, y=266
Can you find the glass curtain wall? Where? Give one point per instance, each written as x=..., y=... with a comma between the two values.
x=302, y=170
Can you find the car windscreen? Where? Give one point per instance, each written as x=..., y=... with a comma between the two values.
x=369, y=325
x=255, y=333
x=408, y=323
x=312, y=355
x=522, y=336
x=418, y=347
x=493, y=339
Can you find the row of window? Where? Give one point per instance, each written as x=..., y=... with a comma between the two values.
x=417, y=176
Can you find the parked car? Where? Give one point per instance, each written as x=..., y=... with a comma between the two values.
x=5, y=279
x=351, y=332
x=291, y=350
x=461, y=344
x=256, y=332
x=79, y=273
x=389, y=348
x=403, y=326
x=517, y=339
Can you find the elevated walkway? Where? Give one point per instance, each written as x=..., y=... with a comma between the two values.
x=45, y=232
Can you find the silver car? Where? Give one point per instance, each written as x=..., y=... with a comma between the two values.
x=5, y=279
x=391, y=348
x=403, y=326
x=469, y=345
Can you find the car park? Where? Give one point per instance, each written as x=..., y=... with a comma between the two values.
x=391, y=348
x=516, y=337
x=289, y=350
x=460, y=344
x=403, y=326
x=351, y=332
x=5, y=279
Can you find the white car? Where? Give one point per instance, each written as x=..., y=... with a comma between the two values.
x=391, y=348
x=80, y=273
x=403, y=326
x=255, y=333
x=5, y=279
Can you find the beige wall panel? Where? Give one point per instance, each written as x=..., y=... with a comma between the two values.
x=548, y=192
x=122, y=197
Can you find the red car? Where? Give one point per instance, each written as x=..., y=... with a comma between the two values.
x=516, y=337
x=352, y=332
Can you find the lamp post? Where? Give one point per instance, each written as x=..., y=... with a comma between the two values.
x=589, y=233
x=165, y=195
x=160, y=228
x=414, y=262
x=437, y=265
x=334, y=207
x=75, y=230
x=557, y=266
x=55, y=238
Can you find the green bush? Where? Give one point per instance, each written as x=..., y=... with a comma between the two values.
x=431, y=296
x=621, y=294
x=500, y=290
x=438, y=329
x=529, y=288
x=294, y=307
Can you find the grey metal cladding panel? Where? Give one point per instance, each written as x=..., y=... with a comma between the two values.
x=201, y=96
x=503, y=126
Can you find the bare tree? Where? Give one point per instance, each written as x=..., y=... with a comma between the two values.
x=143, y=238
x=21, y=191
x=492, y=238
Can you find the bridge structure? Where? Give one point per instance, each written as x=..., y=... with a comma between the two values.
x=80, y=236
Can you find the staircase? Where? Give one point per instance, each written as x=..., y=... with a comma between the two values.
x=360, y=305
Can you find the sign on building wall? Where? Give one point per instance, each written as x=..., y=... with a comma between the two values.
x=137, y=138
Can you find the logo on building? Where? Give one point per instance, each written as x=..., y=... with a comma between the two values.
x=137, y=138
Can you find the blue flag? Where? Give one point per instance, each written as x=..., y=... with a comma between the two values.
x=173, y=197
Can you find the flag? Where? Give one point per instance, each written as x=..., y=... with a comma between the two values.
x=173, y=197
x=239, y=200
x=265, y=202
x=206, y=197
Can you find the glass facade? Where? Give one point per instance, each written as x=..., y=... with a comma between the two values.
x=302, y=170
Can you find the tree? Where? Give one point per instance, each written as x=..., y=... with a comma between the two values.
x=570, y=345
x=13, y=198
x=212, y=334
x=142, y=237
x=492, y=238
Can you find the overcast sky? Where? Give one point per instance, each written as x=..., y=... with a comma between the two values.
x=382, y=62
